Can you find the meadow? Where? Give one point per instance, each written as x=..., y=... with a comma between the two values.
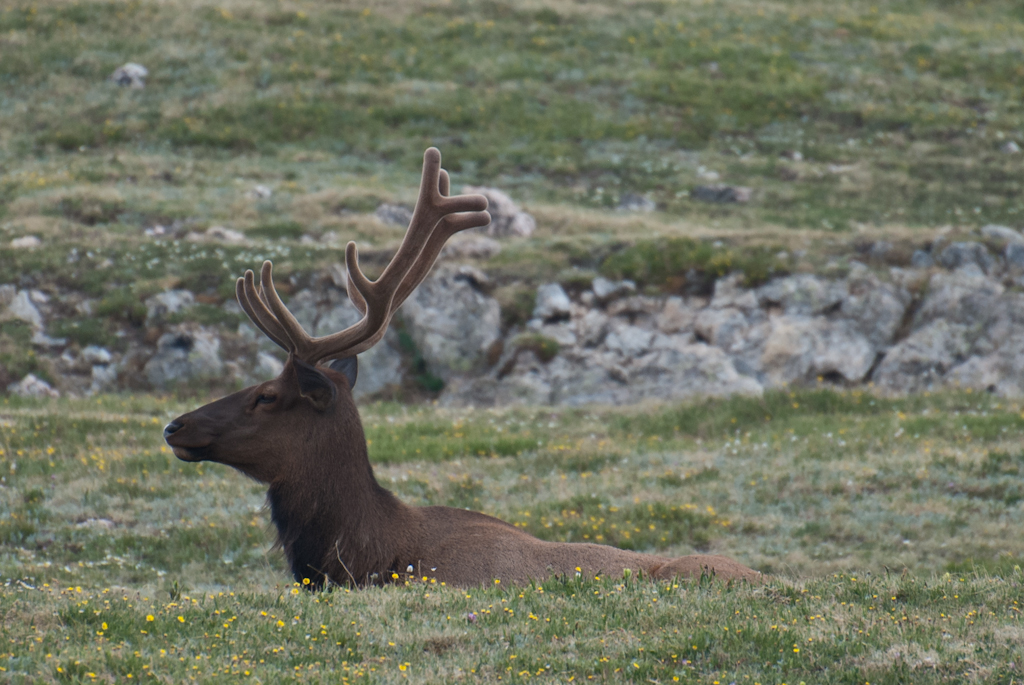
x=888, y=529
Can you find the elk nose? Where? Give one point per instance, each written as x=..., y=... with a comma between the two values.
x=171, y=428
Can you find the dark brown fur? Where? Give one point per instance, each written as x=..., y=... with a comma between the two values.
x=337, y=524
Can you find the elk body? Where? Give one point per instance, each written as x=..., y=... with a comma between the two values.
x=300, y=434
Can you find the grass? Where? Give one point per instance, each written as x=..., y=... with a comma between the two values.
x=886, y=525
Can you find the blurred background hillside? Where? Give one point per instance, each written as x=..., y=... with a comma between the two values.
x=769, y=138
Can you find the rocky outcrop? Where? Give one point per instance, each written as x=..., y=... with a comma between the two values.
x=453, y=323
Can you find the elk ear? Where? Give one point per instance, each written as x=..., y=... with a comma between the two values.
x=348, y=366
x=314, y=386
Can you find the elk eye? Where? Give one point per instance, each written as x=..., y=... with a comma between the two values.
x=266, y=399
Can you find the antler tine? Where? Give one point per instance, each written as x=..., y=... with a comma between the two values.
x=261, y=317
x=302, y=342
x=435, y=219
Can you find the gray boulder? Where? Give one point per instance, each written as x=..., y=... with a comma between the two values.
x=676, y=316
x=183, y=355
x=802, y=349
x=921, y=260
x=802, y=295
x=168, y=302
x=552, y=303
x=1002, y=234
x=606, y=290
x=959, y=297
x=507, y=219
x=452, y=323
x=24, y=309
x=874, y=308
x=32, y=386
x=920, y=361
x=960, y=255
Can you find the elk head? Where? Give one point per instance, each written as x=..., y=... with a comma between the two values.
x=256, y=430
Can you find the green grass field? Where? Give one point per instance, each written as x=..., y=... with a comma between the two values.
x=889, y=529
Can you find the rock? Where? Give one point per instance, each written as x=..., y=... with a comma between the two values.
x=606, y=290
x=959, y=255
x=32, y=386
x=94, y=354
x=1002, y=234
x=801, y=349
x=40, y=339
x=161, y=305
x=552, y=303
x=267, y=366
x=104, y=378
x=730, y=293
x=380, y=367
x=676, y=316
x=1010, y=147
x=7, y=294
x=184, y=355
x=636, y=307
x=475, y=277
x=131, y=75
x=471, y=247
x=721, y=327
x=921, y=360
x=393, y=215
x=722, y=194
x=628, y=341
x=875, y=309
x=685, y=370
x=24, y=309
x=562, y=332
x=26, y=242
x=260, y=192
x=452, y=323
x=225, y=235
x=958, y=297
x=802, y=295
x=631, y=202
x=507, y=219
x=592, y=327
x=1015, y=256
x=921, y=260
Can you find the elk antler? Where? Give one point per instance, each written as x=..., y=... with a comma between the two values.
x=435, y=219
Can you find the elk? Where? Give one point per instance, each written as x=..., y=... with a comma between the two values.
x=300, y=434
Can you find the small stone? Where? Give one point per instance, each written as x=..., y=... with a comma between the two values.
x=40, y=339
x=225, y=235
x=1015, y=255
x=507, y=219
x=261, y=192
x=552, y=303
x=632, y=202
x=26, y=242
x=168, y=302
x=629, y=341
x=1010, y=147
x=393, y=215
x=23, y=309
x=676, y=317
x=606, y=290
x=32, y=386
x=131, y=75
x=921, y=260
x=959, y=255
x=1002, y=234
x=722, y=194
x=94, y=354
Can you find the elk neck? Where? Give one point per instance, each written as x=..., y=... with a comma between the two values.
x=333, y=519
